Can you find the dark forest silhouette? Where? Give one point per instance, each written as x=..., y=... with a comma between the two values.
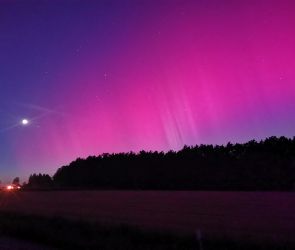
x=264, y=165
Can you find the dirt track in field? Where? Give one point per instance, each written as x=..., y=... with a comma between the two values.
x=239, y=215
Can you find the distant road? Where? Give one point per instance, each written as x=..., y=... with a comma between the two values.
x=239, y=215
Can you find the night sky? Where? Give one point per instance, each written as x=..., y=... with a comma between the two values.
x=115, y=76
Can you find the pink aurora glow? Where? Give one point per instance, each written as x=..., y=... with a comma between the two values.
x=182, y=74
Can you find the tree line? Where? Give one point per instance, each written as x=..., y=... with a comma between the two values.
x=265, y=165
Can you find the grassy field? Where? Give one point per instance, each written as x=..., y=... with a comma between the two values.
x=251, y=217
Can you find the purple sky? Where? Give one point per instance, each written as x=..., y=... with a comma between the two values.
x=112, y=76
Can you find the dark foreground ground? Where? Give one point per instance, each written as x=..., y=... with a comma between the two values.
x=21, y=232
x=8, y=243
x=27, y=232
x=229, y=220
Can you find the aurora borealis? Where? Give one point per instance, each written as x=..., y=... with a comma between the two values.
x=131, y=75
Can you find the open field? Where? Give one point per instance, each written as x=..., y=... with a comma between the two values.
x=257, y=216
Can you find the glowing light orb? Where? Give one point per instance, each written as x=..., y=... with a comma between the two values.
x=25, y=121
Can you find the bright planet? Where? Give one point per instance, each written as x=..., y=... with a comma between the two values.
x=25, y=121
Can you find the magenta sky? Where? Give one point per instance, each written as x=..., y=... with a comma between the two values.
x=114, y=76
